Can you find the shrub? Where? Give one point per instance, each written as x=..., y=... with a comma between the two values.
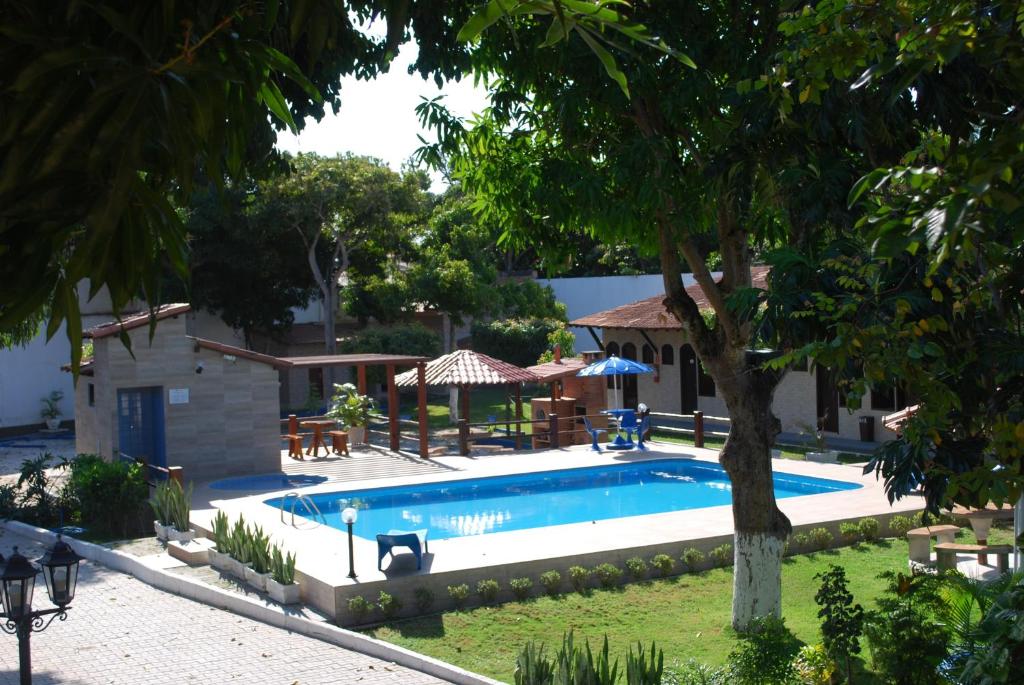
x=869, y=528
x=389, y=604
x=551, y=581
x=424, y=598
x=850, y=532
x=533, y=667
x=111, y=495
x=578, y=576
x=821, y=538
x=239, y=543
x=663, y=563
x=608, y=575
x=520, y=587
x=842, y=621
x=813, y=666
x=721, y=555
x=899, y=525
x=637, y=568
x=221, y=531
x=8, y=501
x=574, y=664
x=413, y=339
x=517, y=341
x=359, y=608
x=801, y=541
x=488, y=590
x=259, y=551
x=459, y=594
x=692, y=558
x=642, y=669
x=36, y=505
x=764, y=654
x=282, y=566
x=693, y=672
x=907, y=643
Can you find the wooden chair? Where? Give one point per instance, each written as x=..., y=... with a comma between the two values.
x=339, y=442
x=294, y=445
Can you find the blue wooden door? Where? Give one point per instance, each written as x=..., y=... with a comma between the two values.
x=140, y=424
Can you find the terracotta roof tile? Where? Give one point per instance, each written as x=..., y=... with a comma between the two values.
x=465, y=367
x=164, y=311
x=552, y=371
x=650, y=313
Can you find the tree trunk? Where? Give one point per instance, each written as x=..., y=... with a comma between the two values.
x=449, y=346
x=761, y=528
x=330, y=336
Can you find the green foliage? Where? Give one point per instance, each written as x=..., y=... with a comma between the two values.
x=820, y=538
x=520, y=587
x=238, y=544
x=608, y=575
x=533, y=667
x=389, y=604
x=562, y=337
x=579, y=577
x=842, y=621
x=765, y=653
x=663, y=563
x=221, y=530
x=259, y=551
x=813, y=665
x=8, y=501
x=359, y=607
x=579, y=665
x=899, y=525
x=423, y=598
x=349, y=407
x=849, y=531
x=36, y=504
x=721, y=555
x=551, y=581
x=459, y=594
x=161, y=505
x=644, y=669
x=176, y=500
x=412, y=339
x=997, y=652
x=869, y=528
x=517, y=341
x=692, y=672
x=282, y=567
x=636, y=568
x=801, y=541
x=51, y=405
x=487, y=590
x=111, y=495
x=907, y=642
x=692, y=558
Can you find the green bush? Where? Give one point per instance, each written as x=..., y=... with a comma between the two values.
x=389, y=604
x=608, y=575
x=692, y=558
x=239, y=541
x=359, y=608
x=842, y=621
x=415, y=340
x=801, y=541
x=849, y=532
x=899, y=525
x=282, y=566
x=533, y=667
x=488, y=590
x=813, y=665
x=259, y=551
x=424, y=599
x=8, y=501
x=693, y=672
x=663, y=563
x=111, y=495
x=907, y=643
x=644, y=669
x=721, y=556
x=764, y=654
x=821, y=538
x=637, y=568
x=517, y=341
x=579, y=577
x=551, y=581
x=520, y=587
x=869, y=528
x=459, y=594
x=221, y=531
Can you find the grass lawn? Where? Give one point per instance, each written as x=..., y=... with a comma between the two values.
x=483, y=402
x=688, y=616
x=788, y=451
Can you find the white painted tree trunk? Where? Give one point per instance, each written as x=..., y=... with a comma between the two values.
x=757, y=577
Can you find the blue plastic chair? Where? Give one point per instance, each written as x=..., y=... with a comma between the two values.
x=594, y=433
x=415, y=540
x=641, y=430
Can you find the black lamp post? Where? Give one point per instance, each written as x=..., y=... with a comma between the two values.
x=17, y=583
x=349, y=516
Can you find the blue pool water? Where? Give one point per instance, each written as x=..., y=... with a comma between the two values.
x=532, y=500
x=267, y=481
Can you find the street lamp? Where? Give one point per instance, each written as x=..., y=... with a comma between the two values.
x=17, y=583
x=349, y=516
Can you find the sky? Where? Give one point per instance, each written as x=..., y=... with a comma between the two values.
x=378, y=118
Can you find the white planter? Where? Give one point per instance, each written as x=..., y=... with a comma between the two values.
x=220, y=560
x=179, y=536
x=357, y=435
x=826, y=457
x=256, y=580
x=283, y=594
x=53, y=424
x=236, y=568
x=161, y=531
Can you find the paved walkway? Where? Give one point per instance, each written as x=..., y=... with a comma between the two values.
x=121, y=630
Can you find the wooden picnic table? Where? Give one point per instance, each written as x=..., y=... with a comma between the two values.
x=318, y=426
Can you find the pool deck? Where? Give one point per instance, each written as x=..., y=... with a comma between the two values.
x=323, y=553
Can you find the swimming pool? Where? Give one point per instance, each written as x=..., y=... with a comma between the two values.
x=267, y=481
x=476, y=506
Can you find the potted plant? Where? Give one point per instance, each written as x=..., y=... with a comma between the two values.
x=220, y=557
x=51, y=410
x=821, y=453
x=179, y=503
x=238, y=544
x=162, y=511
x=258, y=570
x=281, y=585
x=352, y=410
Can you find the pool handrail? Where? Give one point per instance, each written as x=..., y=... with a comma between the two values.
x=310, y=505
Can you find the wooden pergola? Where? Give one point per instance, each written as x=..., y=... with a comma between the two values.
x=389, y=362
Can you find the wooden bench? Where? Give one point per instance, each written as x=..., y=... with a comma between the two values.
x=946, y=552
x=339, y=442
x=920, y=540
x=294, y=445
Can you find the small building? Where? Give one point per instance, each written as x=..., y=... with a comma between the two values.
x=645, y=331
x=177, y=399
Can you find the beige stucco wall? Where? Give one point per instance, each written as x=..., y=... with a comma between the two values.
x=230, y=424
x=795, y=399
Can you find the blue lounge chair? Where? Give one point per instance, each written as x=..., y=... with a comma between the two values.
x=415, y=540
x=594, y=433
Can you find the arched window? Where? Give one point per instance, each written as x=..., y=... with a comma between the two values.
x=629, y=351
x=647, y=354
x=668, y=355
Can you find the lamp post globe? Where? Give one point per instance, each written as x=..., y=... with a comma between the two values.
x=349, y=515
x=60, y=571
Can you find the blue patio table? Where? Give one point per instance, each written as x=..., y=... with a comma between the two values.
x=624, y=419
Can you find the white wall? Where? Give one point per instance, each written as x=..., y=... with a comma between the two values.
x=27, y=374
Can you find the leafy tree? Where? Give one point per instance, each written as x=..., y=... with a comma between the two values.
x=842, y=621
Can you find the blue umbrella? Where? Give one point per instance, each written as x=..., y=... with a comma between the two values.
x=614, y=366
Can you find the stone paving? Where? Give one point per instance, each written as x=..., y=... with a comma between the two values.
x=121, y=630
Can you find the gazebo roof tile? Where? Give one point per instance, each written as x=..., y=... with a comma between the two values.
x=465, y=367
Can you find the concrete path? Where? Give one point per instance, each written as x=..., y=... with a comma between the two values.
x=121, y=631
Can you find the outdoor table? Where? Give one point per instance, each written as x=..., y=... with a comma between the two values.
x=981, y=522
x=620, y=443
x=318, y=426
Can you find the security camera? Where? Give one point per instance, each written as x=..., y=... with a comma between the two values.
x=199, y=366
